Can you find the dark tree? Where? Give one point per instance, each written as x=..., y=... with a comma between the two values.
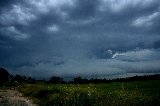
x=31, y=80
x=18, y=79
x=55, y=80
x=3, y=75
x=77, y=80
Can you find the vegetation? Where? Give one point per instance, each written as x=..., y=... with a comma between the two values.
x=133, y=91
x=137, y=93
x=3, y=75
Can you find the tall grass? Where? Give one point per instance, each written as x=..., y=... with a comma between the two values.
x=140, y=93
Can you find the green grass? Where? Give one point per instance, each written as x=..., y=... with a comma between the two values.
x=138, y=93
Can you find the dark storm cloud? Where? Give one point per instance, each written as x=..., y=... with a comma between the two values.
x=78, y=37
x=84, y=9
x=4, y=3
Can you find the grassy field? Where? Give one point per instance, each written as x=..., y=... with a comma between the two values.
x=137, y=93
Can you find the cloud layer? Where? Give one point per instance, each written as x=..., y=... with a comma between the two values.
x=72, y=37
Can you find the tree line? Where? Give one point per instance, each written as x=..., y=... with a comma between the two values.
x=5, y=77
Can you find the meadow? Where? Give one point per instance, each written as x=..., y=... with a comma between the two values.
x=135, y=93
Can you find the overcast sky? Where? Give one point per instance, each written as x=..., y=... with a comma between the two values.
x=41, y=38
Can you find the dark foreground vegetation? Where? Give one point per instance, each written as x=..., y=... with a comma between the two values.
x=136, y=93
x=133, y=91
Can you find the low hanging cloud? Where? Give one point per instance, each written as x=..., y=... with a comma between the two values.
x=138, y=55
x=137, y=61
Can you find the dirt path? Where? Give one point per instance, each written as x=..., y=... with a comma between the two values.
x=13, y=98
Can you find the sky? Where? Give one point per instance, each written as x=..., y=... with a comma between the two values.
x=89, y=38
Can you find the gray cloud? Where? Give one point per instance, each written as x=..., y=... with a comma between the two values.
x=12, y=32
x=138, y=55
x=71, y=37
